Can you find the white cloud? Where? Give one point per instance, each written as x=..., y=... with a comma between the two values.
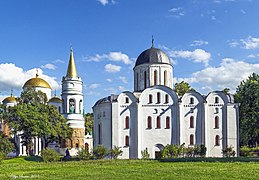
x=121, y=88
x=123, y=79
x=248, y=43
x=109, y=80
x=94, y=86
x=243, y=11
x=112, y=56
x=112, y=68
x=105, y=2
x=177, y=12
x=228, y=75
x=49, y=66
x=253, y=55
x=59, y=61
x=14, y=77
x=198, y=55
x=199, y=43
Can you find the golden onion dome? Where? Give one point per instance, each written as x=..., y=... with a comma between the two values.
x=55, y=99
x=36, y=82
x=10, y=99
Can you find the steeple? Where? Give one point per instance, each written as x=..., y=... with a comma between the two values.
x=152, y=41
x=71, y=70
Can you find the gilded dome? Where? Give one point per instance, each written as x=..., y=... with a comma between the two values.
x=37, y=82
x=10, y=99
x=152, y=55
x=55, y=99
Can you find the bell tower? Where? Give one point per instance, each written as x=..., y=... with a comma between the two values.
x=72, y=104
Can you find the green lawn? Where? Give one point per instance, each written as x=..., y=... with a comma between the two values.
x=19, y=168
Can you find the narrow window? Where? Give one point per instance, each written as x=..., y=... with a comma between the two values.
x=216, y=122
x=137, y=81
x=155, y=77
x=191, y=100
x=217, y=140
x=191, y=122
x=99, y=134
x=166, y=98
x=167, y=125
x=59, y=109
x=80, y=106
x=216, y=100
x=165, y=78
x=126, y=100
x=127, y=122
x=216, y=110
x=150, y=98
x=158, y=97
x=191, y=139
x=145, y=79
x=126, y=141
x=158, y=122
x=103, y=113
x=149, y=121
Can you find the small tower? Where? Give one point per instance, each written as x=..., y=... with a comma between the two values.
x=72, y=105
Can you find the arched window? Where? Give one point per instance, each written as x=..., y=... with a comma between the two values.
x=72, y=106
x=216, y=99
x=216, y=122
x=158, y=98
x=167, y=123
x=166, y=98
x=191, y=139
x=99, y=134
x=217, y=143
x=59, y=109
x=165, y=78
x=158, y=122
x=191, y=100
x=145, y=79
x=126, y=100
x=149, y=122
x=155, y=77
x=80, y=106
x=126, y=141
x=150, y=97
x=127, y=122
x=191, y=122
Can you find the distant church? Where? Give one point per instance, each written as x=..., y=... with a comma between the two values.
x=70, y=106
x=153, y=115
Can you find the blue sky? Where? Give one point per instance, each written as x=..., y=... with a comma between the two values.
x=213, y=44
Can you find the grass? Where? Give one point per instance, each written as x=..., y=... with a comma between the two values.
x=22, y=168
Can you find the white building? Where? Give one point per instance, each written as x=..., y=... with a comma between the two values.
x=70, y=106
x=154, y=115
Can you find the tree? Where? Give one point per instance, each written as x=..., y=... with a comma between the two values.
x=33, y=118
x=100, y=152
x=247, y=94
x=89, y=123
x=115, y=152
x=182, y=88
x=6, y=144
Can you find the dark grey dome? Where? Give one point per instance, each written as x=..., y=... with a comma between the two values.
x=152, y=55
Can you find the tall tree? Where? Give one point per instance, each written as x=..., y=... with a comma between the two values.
x=89, y=122
x=6, y=144
x=32, y=117
x=247, y=95
x=182, y=88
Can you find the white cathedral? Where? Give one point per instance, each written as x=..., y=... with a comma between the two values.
x=70, y=106
x=154, y=115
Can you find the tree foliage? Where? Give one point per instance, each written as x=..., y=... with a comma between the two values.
x=33, y=118
x=6, y=144
x=247, y=95
x=182, y=88
x=89, y=123
x=50, y=155
x=115, y=152
x=100, y=152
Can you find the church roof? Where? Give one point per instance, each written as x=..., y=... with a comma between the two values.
x=36, y=82
x=71, y=70
x=55, y=99
x=10, y=99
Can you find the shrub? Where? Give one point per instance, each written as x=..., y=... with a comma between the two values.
x=115, y=152
x=145, y=154
x=99, y=152
x=200, y=150
x=50, y=155
x=245, y=151
x=2, y=156
x=170, y=151
x=83, y=154
x=228, y=152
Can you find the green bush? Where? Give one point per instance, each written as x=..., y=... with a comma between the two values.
x=100, y=152
x=2, y=156
x=115, y=152
x=245, y=151
x=83, y=154
x=145, y=154
x=50, y=155
x=228, y=152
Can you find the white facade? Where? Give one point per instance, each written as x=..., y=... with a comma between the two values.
x=154, y=115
